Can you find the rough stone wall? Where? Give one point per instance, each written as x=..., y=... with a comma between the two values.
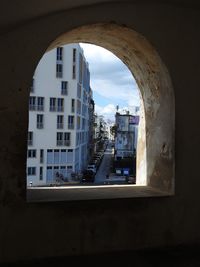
x=52, y=229
x=155, y=153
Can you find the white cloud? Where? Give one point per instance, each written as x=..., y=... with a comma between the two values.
x=106, y=110
x=111, y=79
x=109, y=90
x=109, y=110
x=92, y=52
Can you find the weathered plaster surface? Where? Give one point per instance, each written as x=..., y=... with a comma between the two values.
x=34, y=230
x=157, y=120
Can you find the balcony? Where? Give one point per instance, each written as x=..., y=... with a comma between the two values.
x=52, y=108
x=71, y=126
x=30, y=142
x=64, y=91
x=66, y=142
x=40, y=125
x=59, y=142
x=60, y=125
x=32, y=107
x=40, y=107
x=60, y=108
x=59, y=74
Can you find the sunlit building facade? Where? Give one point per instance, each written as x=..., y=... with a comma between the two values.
x=59, y=113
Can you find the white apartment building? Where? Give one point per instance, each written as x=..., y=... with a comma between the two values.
x=59, y=116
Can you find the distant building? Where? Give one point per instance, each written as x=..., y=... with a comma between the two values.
x=60, y=110
x=98, y=132
x=125, y=135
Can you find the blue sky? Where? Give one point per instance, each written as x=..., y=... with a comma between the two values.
x=111, y=81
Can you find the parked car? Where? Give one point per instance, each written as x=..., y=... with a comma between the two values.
x=88, y=176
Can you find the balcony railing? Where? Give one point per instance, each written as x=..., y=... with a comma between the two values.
x=60, y=108
x=40, y=107
x=52, y=108
x=71, y=126
x=59, y=125
x=59, y=74
x=63, y=142
x=59, y=142
x=32, y=107
x=30, y=142
x=66, y=142
x=40, y=125
x=64, y=91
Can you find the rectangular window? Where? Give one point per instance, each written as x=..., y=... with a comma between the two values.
x=49, y=174
x=64, y=87
x=70, y=122
x=78, y=90
x=78, y=107
x=59, y=139
x=52, y=104
x=32, y=103
x=32, y=86
x=59, y=70
x=40, y=121
x=60, y=104
x=74, y=55
x=40, y=103
x=31, y=153
x=63, y=156
x=59, y=53
x=56, y=156
x=49, y=156
x=67, y=139
x=73, y=106
x=77, y=141
x=31, y=170
x=60, y=119
x=74, y=72
x=30, y=138
x=70, y=155
x=41, y=155
x=78, y=123
x=80, y=68
x=83, y=124
x=41, y=173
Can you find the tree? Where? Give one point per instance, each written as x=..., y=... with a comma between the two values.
x=113, y=130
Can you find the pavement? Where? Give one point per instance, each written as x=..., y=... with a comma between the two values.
x=120, y=179
x=104, y=170
x=103, y=175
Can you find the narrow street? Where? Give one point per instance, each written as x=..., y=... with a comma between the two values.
x=104, y=168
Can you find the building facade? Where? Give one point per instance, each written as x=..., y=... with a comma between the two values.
x=126, y=135
x=59, y=116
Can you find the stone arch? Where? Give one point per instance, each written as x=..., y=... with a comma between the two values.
x=155, y=155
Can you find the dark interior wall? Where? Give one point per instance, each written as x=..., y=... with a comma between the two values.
x=64, y=228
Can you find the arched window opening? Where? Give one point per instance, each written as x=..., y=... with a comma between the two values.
x=155, y=148
x=84, y=117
